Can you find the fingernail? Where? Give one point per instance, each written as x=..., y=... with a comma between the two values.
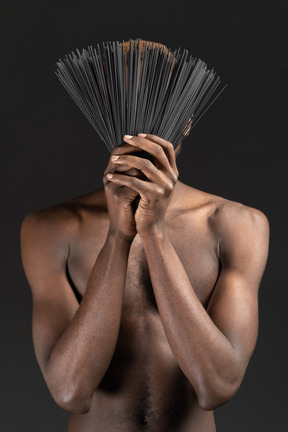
x=128, y=136
x=109, y=176
x=142, y=135
x=114, y=158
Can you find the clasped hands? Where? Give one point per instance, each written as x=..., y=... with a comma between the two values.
x=128, y=175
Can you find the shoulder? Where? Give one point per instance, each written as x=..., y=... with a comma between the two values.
x=242, y=233
x=52, y=220
x=233, y=217
x=58, y=222
x=222, y=213
x=234, y=226
x=45, y=233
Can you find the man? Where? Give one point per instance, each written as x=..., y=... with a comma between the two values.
x=168, y=318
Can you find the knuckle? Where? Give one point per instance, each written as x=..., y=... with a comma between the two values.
x=146, y=163
x=174, y=178
x=133, y=172
x=158, y=190
x=170, y=146
x=168, y=187
x=116, y=196
x=159, y=151
x=133, y=181
x=116, y=149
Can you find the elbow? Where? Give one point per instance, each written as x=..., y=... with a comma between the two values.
x=212, y=400
x=73, y=403
x=67, y=395
x=217, y=391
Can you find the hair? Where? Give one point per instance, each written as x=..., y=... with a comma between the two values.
x=178, y=148
x=126, y=45
x=165, y=49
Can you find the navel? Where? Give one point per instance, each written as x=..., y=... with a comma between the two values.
x=143, y=420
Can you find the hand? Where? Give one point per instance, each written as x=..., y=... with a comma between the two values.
x=156, y=189
x=119, y=198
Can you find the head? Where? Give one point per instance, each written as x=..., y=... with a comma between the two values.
x=165, y=50
x=142, y=43
x=186, y=133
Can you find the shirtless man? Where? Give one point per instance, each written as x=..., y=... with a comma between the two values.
x=144, y=321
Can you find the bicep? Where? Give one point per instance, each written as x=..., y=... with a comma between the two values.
x=54, y=302
x=233, y=306
x=51, y=314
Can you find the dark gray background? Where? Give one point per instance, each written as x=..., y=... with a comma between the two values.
x=51, y=153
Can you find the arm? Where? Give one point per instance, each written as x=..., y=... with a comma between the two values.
x=73, y=344
x=212, y=347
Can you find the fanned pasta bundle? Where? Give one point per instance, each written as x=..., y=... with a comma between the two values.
x=139, y=86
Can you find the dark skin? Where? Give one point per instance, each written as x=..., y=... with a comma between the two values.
x=168, y=319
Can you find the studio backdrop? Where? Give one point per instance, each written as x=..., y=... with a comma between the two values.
x=51, y=153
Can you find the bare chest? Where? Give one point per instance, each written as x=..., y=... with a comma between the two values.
x=195, y=246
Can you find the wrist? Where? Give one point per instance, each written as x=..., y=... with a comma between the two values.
x=153, y=232
x=119, y=237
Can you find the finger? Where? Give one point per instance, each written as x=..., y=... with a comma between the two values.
x=144, y=188
x=166, y=145
x=124, y=148
x=159, y=153
x=169, y=150
x=124, y=168
x=144, y=165
x=155, y=149
x=119, y=150
x=121, y=192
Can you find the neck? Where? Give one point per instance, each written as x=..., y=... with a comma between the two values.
x=177, y=196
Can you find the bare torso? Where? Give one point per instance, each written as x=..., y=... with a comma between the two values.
x=144, y=388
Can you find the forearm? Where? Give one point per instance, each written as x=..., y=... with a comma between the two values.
x=83, y=353
x=204, y=354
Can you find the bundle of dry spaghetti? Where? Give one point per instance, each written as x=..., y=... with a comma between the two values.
x=139, y=87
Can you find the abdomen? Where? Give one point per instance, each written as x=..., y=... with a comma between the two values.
x=144, y=388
